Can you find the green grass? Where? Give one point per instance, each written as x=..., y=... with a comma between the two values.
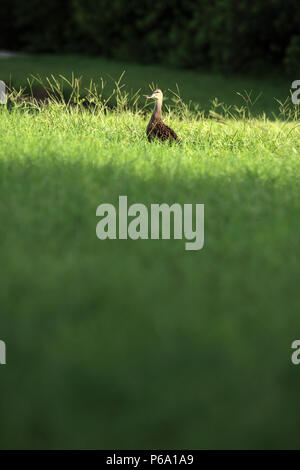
x=141, y=344
x=200, y=87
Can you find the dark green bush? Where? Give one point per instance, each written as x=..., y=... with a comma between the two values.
x=292, y=56
x=226, y=35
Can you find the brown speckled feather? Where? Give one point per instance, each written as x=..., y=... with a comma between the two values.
x=161, y=131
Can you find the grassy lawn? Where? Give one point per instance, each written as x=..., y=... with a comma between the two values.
x=141, y=344
x=199, y=87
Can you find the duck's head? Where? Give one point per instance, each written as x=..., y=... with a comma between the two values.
x=155, y=95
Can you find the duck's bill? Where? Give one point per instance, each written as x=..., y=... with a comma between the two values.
x=148, y=96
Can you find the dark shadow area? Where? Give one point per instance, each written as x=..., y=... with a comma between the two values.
x=121, y=344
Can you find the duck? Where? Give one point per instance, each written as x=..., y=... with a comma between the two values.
x=156, y=127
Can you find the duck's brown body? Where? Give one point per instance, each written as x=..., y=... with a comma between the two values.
x=156, y=127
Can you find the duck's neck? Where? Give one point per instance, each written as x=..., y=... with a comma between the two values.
x=157, y=110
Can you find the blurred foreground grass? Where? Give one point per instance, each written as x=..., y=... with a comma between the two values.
x=141, y=344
